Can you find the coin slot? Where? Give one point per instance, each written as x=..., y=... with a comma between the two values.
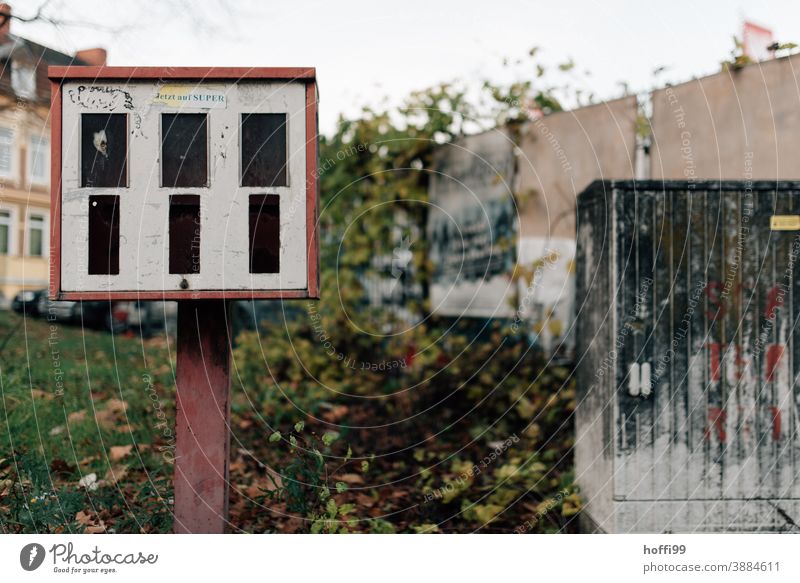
x=104, y=235
x=265, y=226
x=184, y=233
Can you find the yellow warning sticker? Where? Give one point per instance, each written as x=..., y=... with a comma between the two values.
x=785, y=223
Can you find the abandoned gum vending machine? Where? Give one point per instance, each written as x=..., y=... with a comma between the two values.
x=189, y=184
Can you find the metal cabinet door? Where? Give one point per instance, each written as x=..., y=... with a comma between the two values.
x=706, y=298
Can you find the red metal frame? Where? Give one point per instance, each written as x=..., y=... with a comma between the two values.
x=306, y=75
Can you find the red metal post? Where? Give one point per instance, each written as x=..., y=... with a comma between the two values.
x=202, y=438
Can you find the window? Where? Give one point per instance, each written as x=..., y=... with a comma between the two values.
x=23, y=80
x=36, y=235
x=38, y=160
x=6, y=152
x=5, y=232
x=264, y=159
x=104, y=150
x=184, y=150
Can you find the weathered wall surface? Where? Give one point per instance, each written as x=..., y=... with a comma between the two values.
x=561, y=154
x=739, y=125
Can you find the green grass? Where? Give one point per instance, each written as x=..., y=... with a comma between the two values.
x=77, y=402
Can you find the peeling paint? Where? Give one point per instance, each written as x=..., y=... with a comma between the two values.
x=102, y=98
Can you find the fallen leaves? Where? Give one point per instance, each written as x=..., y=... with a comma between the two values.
x=116, y=405
x=40, y=394
x=105, y=418
x=93, y=524
x=76, y=416
x=112, y=414
x=335, y=413
x=116, y=474
x=351, y=479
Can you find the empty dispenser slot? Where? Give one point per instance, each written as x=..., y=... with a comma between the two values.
x=264, y=161
x=184, y=150
x=104, y=150
x=184, y=233
x=265, y=224
x=104, y=235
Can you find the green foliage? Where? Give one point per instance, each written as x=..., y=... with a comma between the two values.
x=334, y=365
x=489, y=396
x=306, y=477
x=738, y=58
x=30, y=503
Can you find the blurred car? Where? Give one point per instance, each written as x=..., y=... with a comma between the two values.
x=115, y=317
x=147, y=317
x=62, y=311
x=28, y=301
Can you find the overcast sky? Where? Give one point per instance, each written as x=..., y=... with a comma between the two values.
x=367, y=50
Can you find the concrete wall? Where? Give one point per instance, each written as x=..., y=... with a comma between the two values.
x=560, y=155
x=742, y=125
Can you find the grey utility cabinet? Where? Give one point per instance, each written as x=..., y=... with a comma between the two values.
x=687, y=309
